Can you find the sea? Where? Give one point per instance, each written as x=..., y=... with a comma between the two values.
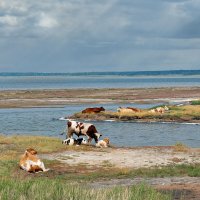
x=50, y=121
x=139, y=79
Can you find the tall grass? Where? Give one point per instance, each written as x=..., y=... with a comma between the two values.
x=58, y=190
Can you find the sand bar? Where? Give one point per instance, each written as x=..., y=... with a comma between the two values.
x=61, y=97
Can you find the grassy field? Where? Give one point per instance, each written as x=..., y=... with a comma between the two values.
x=63, y=183
x=17, y=184
x=56, y=189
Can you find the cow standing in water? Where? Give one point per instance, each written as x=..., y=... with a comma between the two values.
x=83, y=129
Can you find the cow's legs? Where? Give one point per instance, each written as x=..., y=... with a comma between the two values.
x=69, y=134
x=89, y=140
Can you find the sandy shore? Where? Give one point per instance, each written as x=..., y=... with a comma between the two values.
x=128, y=157
x=135, y=158
x=61, y=97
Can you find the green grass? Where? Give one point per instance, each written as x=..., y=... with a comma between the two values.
x=196, y=102
x=12, y=146
x=18, y=184
x=10, y=170
x=66, y=182
x=58, y=190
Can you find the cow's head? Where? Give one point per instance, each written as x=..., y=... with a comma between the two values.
x=102, y=108
x=31, y=151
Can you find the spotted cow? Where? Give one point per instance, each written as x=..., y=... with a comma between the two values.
x=83, y=129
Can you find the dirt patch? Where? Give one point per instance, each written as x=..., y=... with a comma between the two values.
x=183, y=188
x=127, y=157
x=184, y=191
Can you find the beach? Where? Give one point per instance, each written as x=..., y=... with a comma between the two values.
x=90, y=161
x=61, y=97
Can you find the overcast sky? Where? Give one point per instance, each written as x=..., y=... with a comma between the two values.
x=99, y=35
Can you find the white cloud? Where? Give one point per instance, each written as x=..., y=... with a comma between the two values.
x=9, y=20
x=46, y=21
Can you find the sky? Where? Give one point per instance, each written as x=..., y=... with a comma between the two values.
x=99, y=35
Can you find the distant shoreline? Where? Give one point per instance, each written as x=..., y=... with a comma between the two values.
x=103, y=73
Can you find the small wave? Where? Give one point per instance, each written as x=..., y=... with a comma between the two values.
x=109, y=120
x=63, y=119
x=184, y=123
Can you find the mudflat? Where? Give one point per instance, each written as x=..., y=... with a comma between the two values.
x=60, y=97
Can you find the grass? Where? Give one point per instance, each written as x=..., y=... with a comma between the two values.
x=13, y=146
x=181, y=147
x=66, y=182
x=56, y=189
x=196, y=102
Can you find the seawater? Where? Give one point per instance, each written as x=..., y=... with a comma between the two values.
x=45, y=121
x=184, y=78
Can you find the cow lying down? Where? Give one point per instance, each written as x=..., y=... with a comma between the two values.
x=73, y=141
x=103, y=143
x=82, y=129
x=30, y=162
x=79, y=141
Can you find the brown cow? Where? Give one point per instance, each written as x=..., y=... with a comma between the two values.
x=93, y=110
x=30, y=162
x=134, y=109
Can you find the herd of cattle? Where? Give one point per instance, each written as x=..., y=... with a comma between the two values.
x=90, y=131
x=31, y=163
x=160, y=109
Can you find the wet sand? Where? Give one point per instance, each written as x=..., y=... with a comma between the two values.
x=61, y=97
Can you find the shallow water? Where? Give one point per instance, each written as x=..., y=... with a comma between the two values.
x=45, y=121
x=61, y=82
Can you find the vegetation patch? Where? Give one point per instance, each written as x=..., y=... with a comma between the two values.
x=56, y=189
x=13, y=146
x=181, y=147
x=70, y=182
x=189, y=113
x=196, y=102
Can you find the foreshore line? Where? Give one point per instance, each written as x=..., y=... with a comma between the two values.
x=62, y=97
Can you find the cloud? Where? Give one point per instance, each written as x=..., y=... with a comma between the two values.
x=46, y=21
x=9, y=20
x=85, y=34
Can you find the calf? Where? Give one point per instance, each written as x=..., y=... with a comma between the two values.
x=93, y=110
x=103, y=143
x=84, y=129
